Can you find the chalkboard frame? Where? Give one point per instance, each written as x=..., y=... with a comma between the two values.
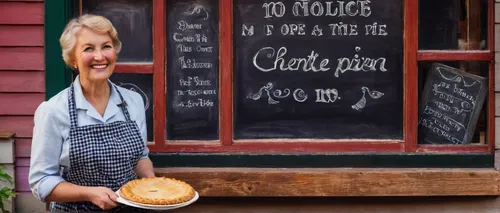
x=481, y=96
x=411, y=56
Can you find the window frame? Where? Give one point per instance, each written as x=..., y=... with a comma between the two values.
x=226, y=143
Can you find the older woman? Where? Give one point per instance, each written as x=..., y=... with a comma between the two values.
x=89, y=139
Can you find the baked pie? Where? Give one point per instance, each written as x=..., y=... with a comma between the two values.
x=157, y=190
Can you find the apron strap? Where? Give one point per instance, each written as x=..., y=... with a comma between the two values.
x=71, y=104
x=123, y=105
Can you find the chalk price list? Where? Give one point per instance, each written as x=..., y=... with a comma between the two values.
x=195, y=91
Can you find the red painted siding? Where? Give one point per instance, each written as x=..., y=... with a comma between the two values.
x=23, y=147
x=20, y=13
x=22, y=76
x=21, y=36
x=22, y=162
x=20, y=104
x=20, y=81
x=21, y=58
x=22, y=125
x=22, y=184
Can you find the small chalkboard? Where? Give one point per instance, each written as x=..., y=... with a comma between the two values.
x=142, y=84
x=192, y=70
x=451, y=103
x=318, y=69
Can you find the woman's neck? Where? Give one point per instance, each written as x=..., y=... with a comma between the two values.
x=96, y=93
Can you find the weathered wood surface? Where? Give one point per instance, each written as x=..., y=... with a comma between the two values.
x=337, y=182
x=345, y=205
x=21, y=12
x=20, y=104
x=21, y=35
x=22, y=58
x=4, y=135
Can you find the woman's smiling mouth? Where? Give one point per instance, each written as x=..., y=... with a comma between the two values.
x=101, y=66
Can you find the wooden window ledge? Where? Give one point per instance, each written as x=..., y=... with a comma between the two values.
x=289, y=182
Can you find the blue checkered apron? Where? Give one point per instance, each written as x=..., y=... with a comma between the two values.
x=100, y=155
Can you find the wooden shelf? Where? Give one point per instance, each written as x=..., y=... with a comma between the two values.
x=292, y=182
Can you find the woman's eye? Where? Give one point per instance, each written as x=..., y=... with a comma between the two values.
x=107, y=46
x=87, y=49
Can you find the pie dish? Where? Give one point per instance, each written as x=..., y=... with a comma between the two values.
x=157, y=191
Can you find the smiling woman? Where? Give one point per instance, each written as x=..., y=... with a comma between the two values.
x=97, y=127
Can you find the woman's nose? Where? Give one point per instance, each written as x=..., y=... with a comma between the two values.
x=98, y=55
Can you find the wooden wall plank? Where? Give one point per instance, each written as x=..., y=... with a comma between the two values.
x=20, y=162
x=18, y=81
x=22, y=184
x=20, y=104
x=21, y=125
x=22, y=58
x=21, y=35
x=22, y=147
x=21, y=12
x=336, y=181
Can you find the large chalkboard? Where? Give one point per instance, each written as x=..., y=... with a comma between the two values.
x=451, y=103
x=142, y=84
x=192, y=70
x=318, y=69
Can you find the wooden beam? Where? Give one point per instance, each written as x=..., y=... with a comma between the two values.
x=288, y=182
x=4, y=135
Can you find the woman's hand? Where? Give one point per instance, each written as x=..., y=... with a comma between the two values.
x=102, y=197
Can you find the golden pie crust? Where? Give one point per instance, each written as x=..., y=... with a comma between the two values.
x=157, y=190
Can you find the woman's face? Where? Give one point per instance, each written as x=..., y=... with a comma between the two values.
x=95, y=55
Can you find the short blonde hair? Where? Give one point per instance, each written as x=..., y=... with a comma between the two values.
x=98, y=24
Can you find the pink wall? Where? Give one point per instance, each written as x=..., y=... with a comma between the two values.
x=22, y=76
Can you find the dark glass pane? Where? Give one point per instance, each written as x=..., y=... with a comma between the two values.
x=192, y=70
x=133, y=21
x=142, y=84
x=453, y=24
x=454, y=110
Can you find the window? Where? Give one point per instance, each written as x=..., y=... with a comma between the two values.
x=241, y=76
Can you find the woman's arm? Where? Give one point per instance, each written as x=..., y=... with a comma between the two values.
x=46, y=148
x=145, y=168
x=44, y=177
x=68, y=192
